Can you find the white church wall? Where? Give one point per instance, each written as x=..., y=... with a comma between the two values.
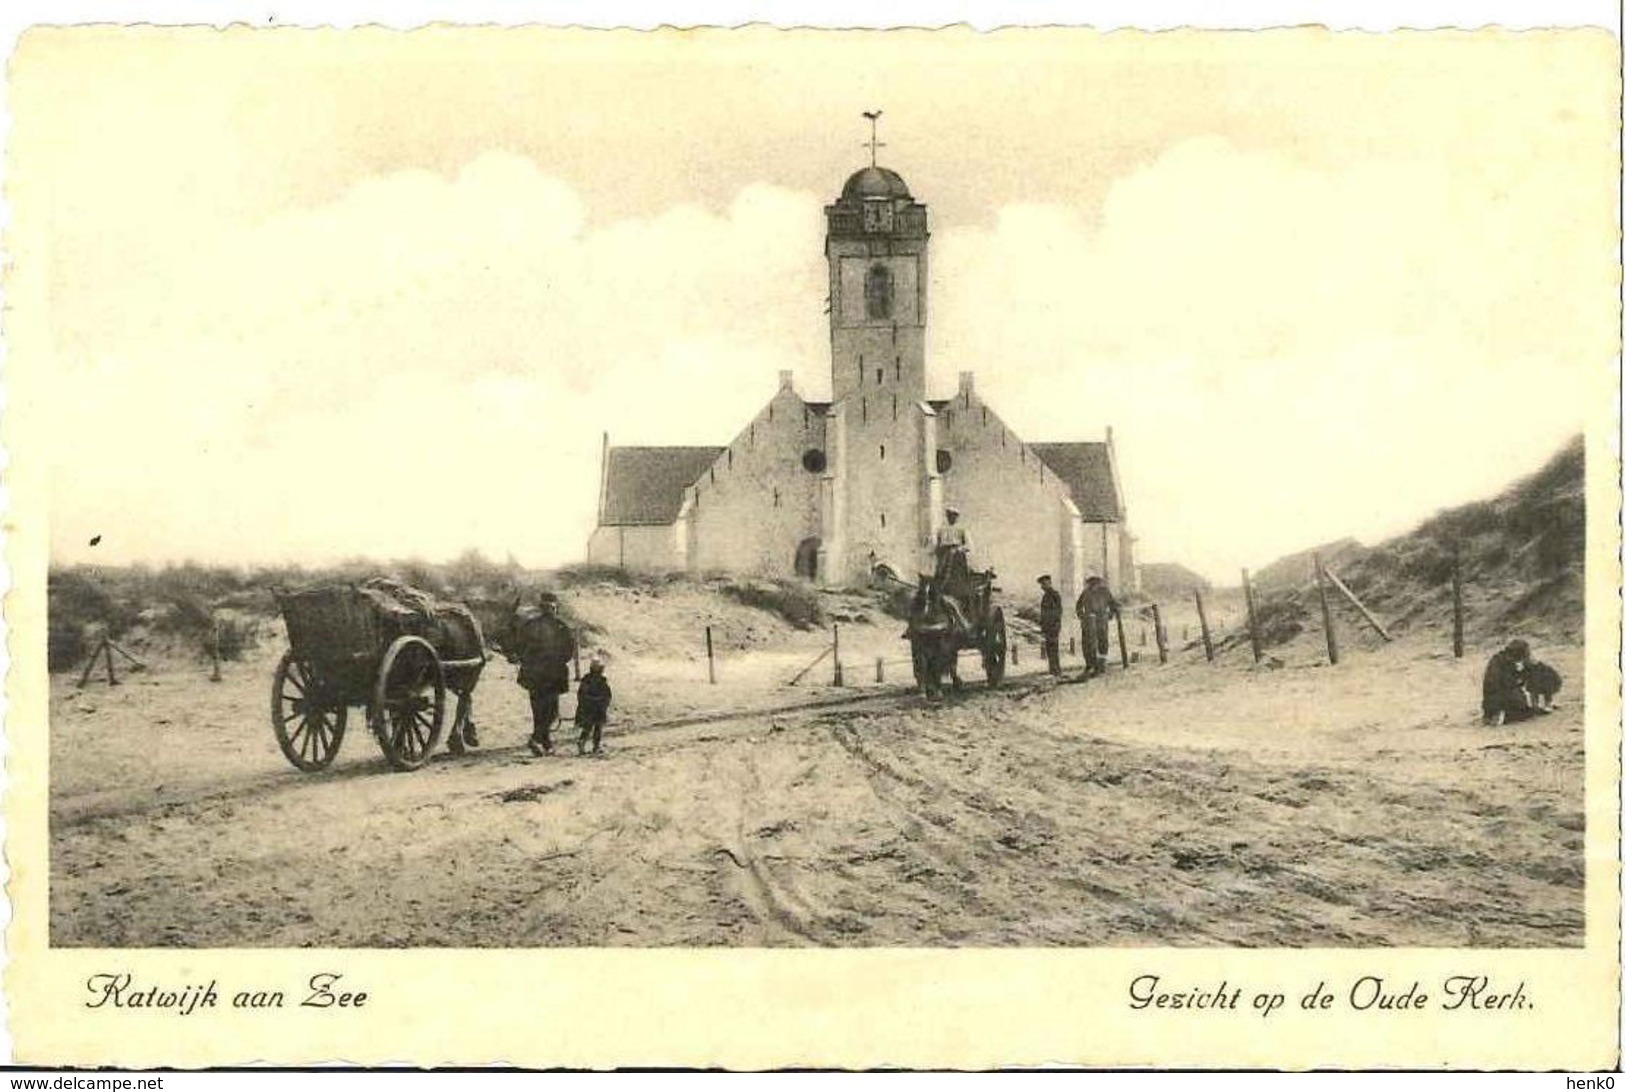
x=1106, y=554
x=641, y=549
x=881, y=476
x=1018, y=513
x=757, y=502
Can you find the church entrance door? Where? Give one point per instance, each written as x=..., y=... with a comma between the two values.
x=807, y=558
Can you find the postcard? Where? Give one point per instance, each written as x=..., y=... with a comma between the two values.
x=762, y=548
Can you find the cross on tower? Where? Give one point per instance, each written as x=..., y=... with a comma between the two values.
x=872, y=143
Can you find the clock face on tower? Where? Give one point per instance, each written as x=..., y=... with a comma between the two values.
x=877, y=216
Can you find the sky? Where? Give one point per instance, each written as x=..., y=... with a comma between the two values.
x=299, y=297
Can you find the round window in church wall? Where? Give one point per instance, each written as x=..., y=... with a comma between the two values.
x=945, y=461
x=813, y=461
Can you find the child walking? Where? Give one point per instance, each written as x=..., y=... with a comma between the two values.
x=592, y=707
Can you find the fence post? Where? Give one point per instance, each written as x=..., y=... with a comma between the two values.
x=838, y=681
x=1122, y=642
x=1162, y=638
x=1326, y=611
x=710, y=659
x=880, y=669
x=1201, y=616
x=1252, y=616
x=1457, y=642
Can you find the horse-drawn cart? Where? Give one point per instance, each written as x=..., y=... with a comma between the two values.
x=380, y=645
x=950, y=612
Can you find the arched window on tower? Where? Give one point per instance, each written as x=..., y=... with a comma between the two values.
x=877, y=292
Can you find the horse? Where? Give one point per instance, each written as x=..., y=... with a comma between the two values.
x=934, y=636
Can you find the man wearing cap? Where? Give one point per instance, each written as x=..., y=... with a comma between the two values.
x=1096, y=607
x=1506, y=700
x=1049, y=622
x=543, y=649
x=953, y=551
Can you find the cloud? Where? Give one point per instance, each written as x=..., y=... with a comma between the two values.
x=1289, y=353
x=422, y=365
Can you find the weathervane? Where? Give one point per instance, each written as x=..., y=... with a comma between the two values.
x=873, y=143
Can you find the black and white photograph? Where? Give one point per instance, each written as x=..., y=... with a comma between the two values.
x=526, y=489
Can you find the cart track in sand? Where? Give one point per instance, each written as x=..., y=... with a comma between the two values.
x=1358, y=806
x=71, y=813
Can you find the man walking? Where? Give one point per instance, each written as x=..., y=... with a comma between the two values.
x=544, y=649
x=1049, y=623
x=1096, y=608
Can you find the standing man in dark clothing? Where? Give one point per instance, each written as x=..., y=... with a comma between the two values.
x=1506, y=700
x=1096, y=608
x=1049, y=622
x=544, y=649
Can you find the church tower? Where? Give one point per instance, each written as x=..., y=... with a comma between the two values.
x=836, y=491
x=876, y=247
x=885, y=486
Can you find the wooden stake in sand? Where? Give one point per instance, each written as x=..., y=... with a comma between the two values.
x=1122, y=642
x=710, y=658
x=1359, y=606
x=104, y=651
x=816, y=660
x=1162, y=638
x=1252, y=616
x=1326, y=611
x=838, y=681
x=1207, y=636
x=1457, y=644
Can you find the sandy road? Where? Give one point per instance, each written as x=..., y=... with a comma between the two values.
x=1185, y=805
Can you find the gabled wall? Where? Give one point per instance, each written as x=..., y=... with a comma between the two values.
x=748, y=512
x=1020, y=516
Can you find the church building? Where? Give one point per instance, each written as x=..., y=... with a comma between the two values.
x=838, y=491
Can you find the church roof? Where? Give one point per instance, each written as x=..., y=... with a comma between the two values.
x=643, y=486
x=874, y=182
x=1087, y=471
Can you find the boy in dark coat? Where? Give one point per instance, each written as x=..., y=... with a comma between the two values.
x=592, y=708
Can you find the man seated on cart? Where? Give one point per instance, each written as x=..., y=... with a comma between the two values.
x=543, y=648
x=950, y=587
x=953, y=555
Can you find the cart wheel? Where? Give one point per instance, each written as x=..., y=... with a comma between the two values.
x=309, y=725
x=994, y=644
x=409, y=703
